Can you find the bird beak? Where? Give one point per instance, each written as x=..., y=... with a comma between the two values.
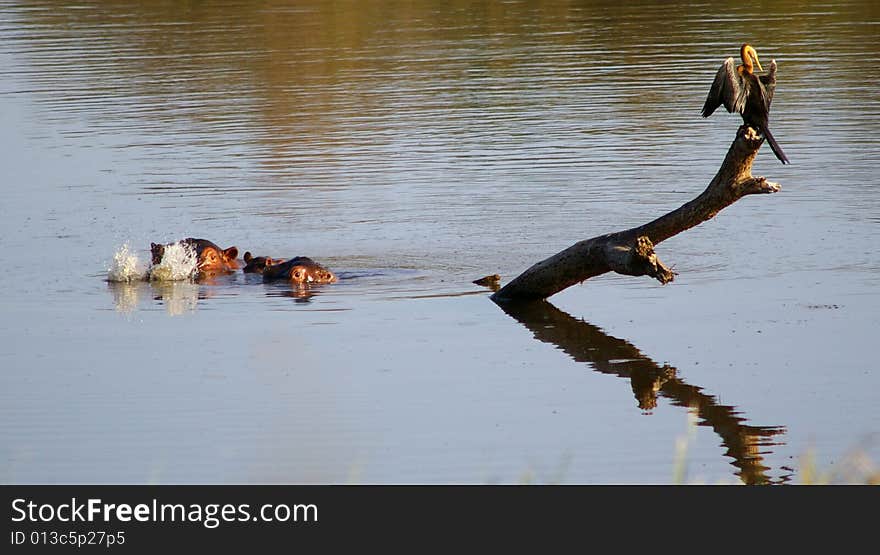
x=757, y=63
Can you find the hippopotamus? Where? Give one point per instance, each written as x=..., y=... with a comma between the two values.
x=256, y=264
x=300, y=270
x=211, y=258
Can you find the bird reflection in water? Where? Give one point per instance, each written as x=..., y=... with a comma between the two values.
x=584, y=342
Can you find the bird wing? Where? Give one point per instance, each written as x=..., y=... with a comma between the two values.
x=727, y=89
x=769, y=82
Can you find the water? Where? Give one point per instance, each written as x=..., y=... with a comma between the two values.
x=411, y=148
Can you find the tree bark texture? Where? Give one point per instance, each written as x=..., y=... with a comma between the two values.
x=631, y=252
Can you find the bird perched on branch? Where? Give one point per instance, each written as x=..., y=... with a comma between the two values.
x=740, y=90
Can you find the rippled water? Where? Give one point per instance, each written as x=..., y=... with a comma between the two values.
x=413, y=147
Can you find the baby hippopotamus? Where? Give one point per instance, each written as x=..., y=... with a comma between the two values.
x=211, y=258
x=256, y=264
x=300, y=270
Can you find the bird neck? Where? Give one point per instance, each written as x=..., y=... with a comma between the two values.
x=747, y=68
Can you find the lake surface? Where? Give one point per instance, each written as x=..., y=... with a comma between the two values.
x=413, y=147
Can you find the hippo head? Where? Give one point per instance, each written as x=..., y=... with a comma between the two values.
x=211, y=258
x=300, y=271
x=306, y=271
x=258, y=264
x=157, y=252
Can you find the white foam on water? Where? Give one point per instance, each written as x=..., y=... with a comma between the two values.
x=179, y=263
x=126, y=266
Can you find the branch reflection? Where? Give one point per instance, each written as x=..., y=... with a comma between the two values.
x=584, y=342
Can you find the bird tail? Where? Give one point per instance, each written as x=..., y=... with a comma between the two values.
x=774, y=146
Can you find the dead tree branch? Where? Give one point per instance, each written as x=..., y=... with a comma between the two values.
x=631, y=252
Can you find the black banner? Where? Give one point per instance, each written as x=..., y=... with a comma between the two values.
x=116, y=519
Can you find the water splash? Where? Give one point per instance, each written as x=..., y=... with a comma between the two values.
x=126, y=266
x=179, y=263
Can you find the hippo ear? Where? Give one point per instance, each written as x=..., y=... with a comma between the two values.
x=247, y=256
x=231, y=253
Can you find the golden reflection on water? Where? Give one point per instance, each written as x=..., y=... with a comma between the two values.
x=126, y=296
x=177, y=297
x=312, y=88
